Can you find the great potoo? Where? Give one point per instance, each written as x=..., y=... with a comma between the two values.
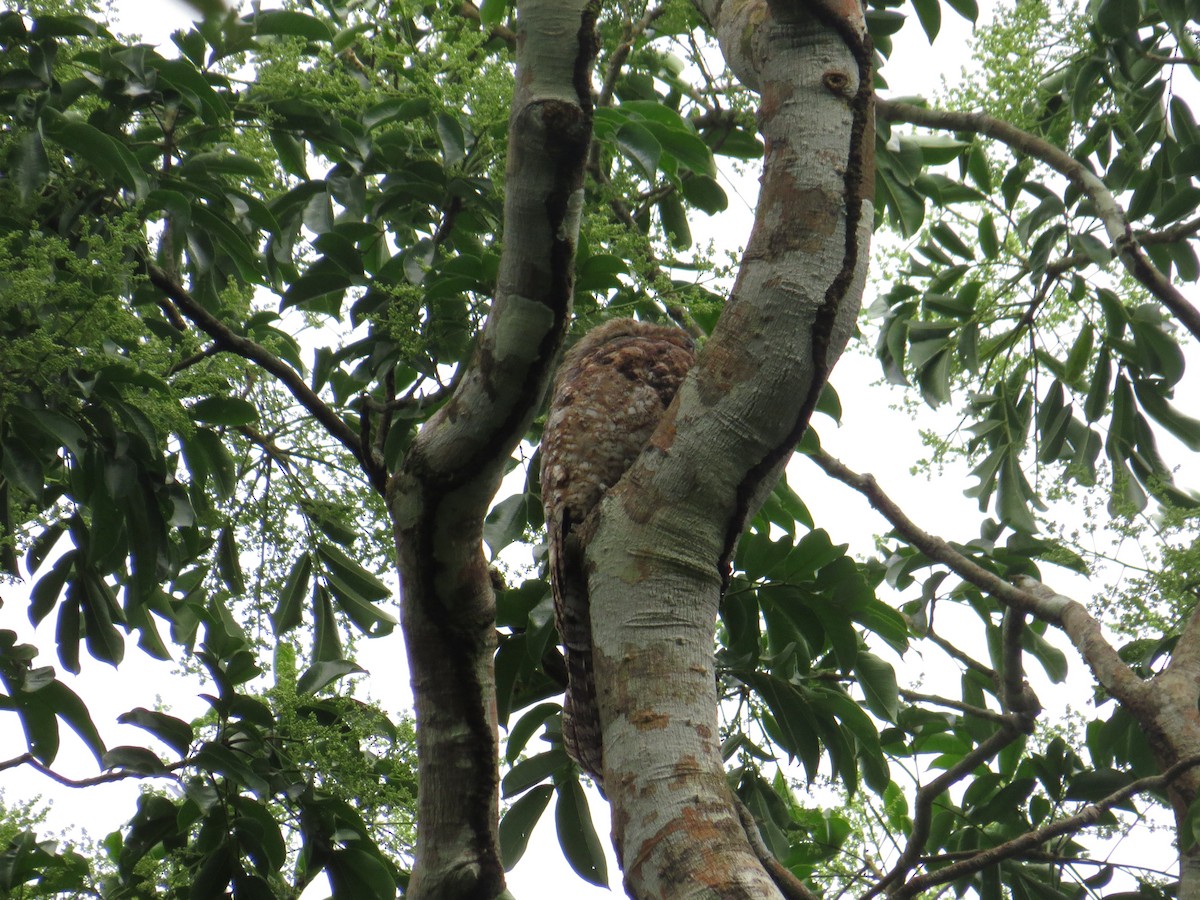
x=610, y=393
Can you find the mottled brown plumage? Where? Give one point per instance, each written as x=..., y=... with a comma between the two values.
x=611, y=391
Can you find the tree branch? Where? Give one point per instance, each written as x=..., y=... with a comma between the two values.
x=28, y=759
x=229, y=340
x=1089, y=815
x=1025, y=595
x=927, y=793
x=1116, y=223
x=981, y=712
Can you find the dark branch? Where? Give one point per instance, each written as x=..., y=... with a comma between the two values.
x=27, y=759
x=1089, y=815
x=230, y=341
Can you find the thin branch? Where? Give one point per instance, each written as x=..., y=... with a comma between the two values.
x=928, y=793
x=1116, y=223
x=469, y=10
x=207, y=353
x=1089, y=815
x=981, y=712
x=616, y=62
x=1025, y=595
x=1016, y=696
x=28, y=759
x=789, y=885
x=967, y=661
x=228, y=339
x=932, y=546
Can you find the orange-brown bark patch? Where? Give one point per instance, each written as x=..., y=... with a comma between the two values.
x=648, y=720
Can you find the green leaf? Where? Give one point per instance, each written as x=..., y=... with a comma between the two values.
x=533, y=770
x=133, y=759
x=1053, y=660
x=704, y=192
x=30, y=166
x=1080, y=355
x=357, y=874
x=228, y=563
x=491, y=12
x=290, y=152
x=259, y=834
x=453, y=139
x=92, y=145
x=577, y=835
x=675, y=223
x=323, y=673
x=877, y=679
x=506, y=522
x=233, y=411
x=155, y=820
x=1116, y=18
x=685, y=147
x=1097, y=396
x=288, y=611
x=1012, y=493
x=66, y=704
x=327, y=644
x=1183, y=427
x=46, y=592
x=351, y=572
x=793, y=726
x=523, y=730
x=175, y=733
x=519, y=821
x=968, y=9
x=884, y=22
x=103, y=641
x=288, y=22
x=929, y=12
x=639, y=146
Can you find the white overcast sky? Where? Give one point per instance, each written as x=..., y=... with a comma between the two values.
x=870, y=420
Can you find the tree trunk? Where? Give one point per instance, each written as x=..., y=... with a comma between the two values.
x=667, y=531
x=440, y=495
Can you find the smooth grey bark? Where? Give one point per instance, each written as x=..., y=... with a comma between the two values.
x=441, y=493
x=666, y=532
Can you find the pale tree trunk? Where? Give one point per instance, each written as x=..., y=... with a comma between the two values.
x=666, y=532
x=440, y=495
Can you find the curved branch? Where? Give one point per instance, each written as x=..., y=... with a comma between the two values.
x=1027, y=595
x=1089, y=815
x=928, y=793
x=980, y=712
x=1116, y=223
x=28, y=759
x=230, y=341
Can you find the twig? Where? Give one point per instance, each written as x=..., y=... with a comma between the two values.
x=928, y=793
x=1025, y=595
x=228, y=339
x=981, y=712
x=469, y=10
x=1089, y=815
x=28, y=759
x=789, y=885
x=1116, y=223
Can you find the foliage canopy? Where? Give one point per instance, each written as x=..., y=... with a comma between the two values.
x=238, y=274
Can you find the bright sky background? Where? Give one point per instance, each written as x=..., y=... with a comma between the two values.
x=869, y=421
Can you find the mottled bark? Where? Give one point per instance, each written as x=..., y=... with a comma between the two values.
x=666, y=532
x=440, y=495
